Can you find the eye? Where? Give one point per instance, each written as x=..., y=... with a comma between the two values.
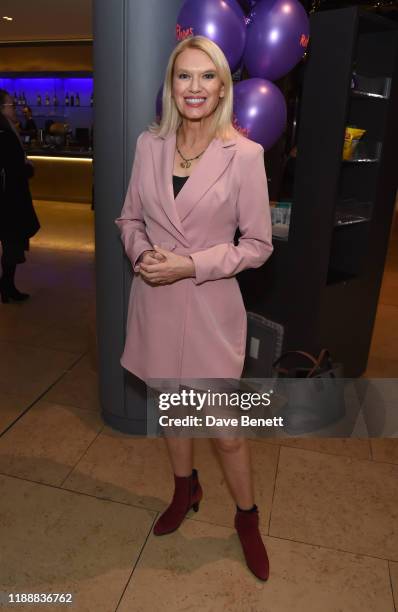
x=209, y=75
x=182, y=75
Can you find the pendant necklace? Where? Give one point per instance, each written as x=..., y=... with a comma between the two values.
x=187, y=162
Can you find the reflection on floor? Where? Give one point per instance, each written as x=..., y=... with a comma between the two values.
x=78, y=500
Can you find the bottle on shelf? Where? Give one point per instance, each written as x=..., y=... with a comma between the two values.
x=38, y=102
x=67, y=99
x=20, y=100
x=72, y=100
x=92, y=99
x=23, y=99
x=15, y=98
x=77, y=99
x=55, y=100
x=47, y=101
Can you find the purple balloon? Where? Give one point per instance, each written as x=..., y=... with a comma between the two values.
x=234, y=4
x=259, y=111
x=277, y=37
x=247, y=4
x=217, y=20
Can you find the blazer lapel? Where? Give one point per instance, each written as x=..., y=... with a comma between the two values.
x=210, y=167
x=163, y=150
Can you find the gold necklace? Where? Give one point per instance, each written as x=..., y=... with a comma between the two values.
x=187, y=162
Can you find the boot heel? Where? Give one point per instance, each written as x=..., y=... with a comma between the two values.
x=195, y=506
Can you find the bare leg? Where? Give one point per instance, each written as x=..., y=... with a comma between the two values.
x=181, y=455
x=180, y=449
x=234, y=455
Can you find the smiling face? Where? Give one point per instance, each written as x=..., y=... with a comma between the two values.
x=197, y=87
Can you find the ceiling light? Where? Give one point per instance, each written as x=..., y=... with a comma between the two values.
x=7, y=18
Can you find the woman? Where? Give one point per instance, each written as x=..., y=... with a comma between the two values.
x=186, y=315
x=18, y=220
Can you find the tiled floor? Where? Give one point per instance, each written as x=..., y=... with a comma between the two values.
x=78, y=500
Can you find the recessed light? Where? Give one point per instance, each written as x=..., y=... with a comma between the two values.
x=8, y=18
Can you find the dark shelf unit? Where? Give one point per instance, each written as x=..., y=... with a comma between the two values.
x=54, y=83
x=61, y=111
x=322, y=283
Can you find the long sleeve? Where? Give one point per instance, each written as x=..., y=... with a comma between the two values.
x=131, y=221
x=255, y=243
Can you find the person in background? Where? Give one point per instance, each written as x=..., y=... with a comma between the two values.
x=28, y=127
x=18, y=220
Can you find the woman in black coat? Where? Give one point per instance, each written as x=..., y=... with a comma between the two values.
x=18, y=220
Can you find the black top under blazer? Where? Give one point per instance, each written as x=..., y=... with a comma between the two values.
x=178, y=183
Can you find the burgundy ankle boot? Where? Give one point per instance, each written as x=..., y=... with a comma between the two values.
x=187, y=495
x=246, y=524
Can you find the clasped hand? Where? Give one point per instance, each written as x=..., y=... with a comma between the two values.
x=161, y=267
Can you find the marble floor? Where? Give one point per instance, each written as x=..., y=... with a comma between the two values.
x=78, y=500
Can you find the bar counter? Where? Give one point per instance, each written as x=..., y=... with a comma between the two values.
x=61, y=174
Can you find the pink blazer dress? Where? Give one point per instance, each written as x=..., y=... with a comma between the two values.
x=194, y=328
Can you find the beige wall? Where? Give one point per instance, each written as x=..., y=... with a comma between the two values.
x=46, y=57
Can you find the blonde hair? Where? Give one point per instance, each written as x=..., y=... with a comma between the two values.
x=221, y=125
